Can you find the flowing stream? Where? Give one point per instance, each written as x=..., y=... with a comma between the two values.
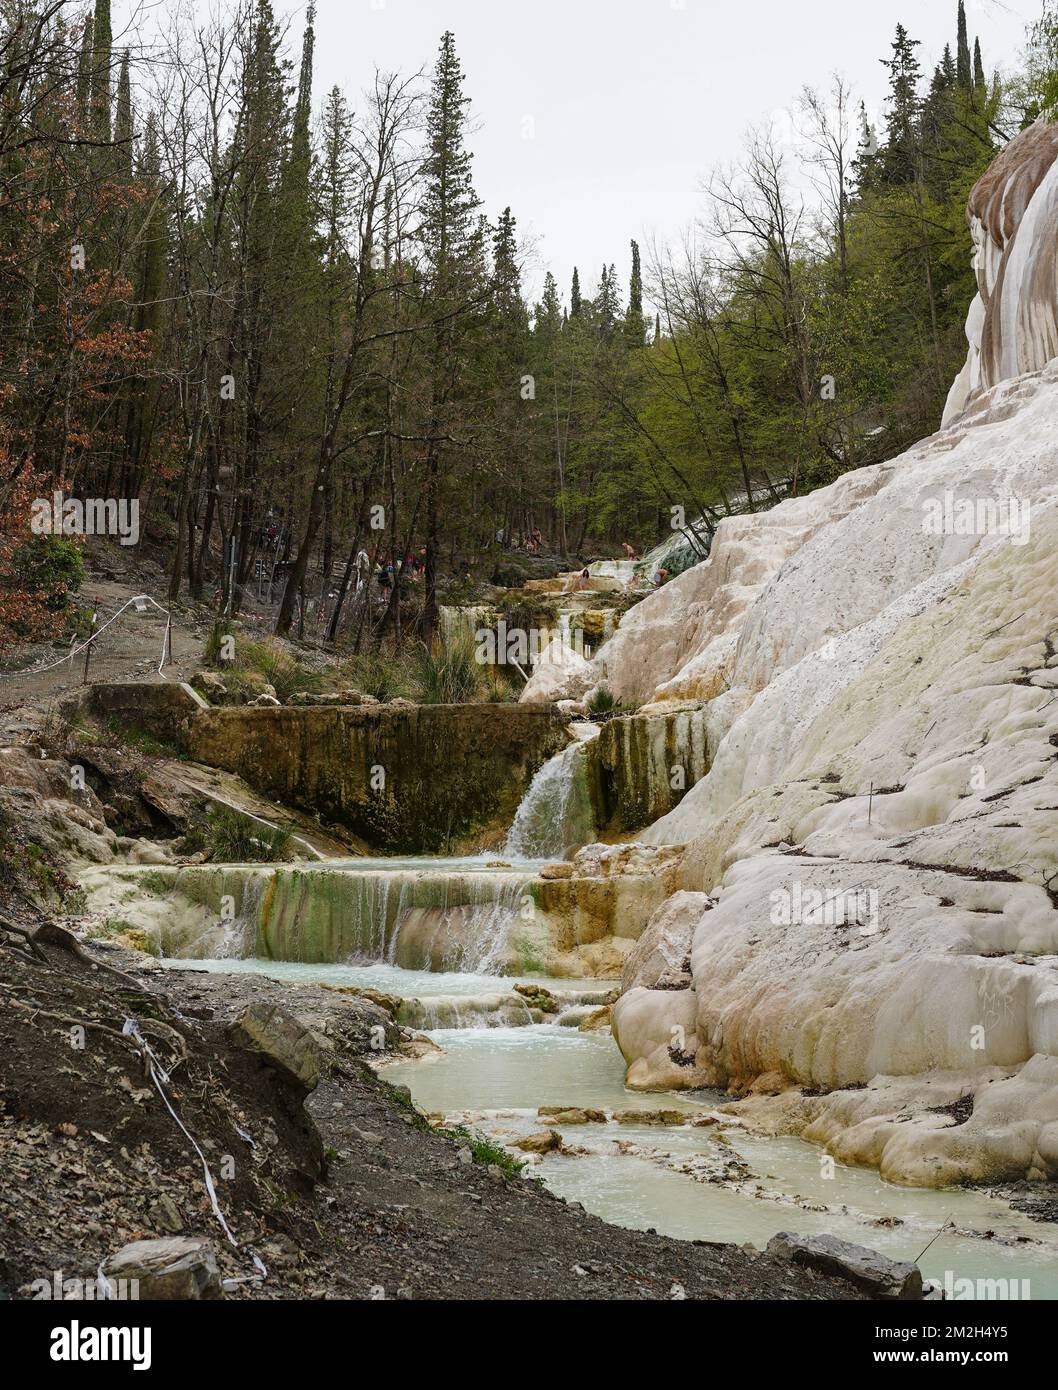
x=716, y=1182
x=437, y=934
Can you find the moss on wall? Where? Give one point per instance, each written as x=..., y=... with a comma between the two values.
x=405, y=779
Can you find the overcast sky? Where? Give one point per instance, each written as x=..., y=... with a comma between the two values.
x=598, y=119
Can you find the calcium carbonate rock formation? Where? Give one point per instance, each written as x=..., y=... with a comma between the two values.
x=879, y=824
x=1012, y=326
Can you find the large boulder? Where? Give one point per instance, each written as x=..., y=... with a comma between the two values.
x=877, y=1274
x=281, y=1041
x=177, y=1267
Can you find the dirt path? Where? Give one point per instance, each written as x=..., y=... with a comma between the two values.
x=131, y=649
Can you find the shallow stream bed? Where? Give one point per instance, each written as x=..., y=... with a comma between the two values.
x=735, y=1186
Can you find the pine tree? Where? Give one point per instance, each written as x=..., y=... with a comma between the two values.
x=298, y=165
x=506, y=276
x=898, y=156
x=963, y=61
x=450, y=233
x=450, y=205
x=607, y=304
x=548, y=316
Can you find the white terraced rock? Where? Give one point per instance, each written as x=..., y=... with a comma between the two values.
x=879, y=825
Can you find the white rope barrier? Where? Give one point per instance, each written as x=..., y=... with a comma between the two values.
x=69, y=656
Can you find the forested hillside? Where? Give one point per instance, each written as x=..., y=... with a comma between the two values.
x=283, y=320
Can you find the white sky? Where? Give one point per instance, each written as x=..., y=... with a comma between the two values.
x=631, y=102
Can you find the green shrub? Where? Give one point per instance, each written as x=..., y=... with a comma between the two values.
x=230, y=837
x=279, y=667
x=51, y=565
x=485, y=1152
x=453, y=677
x=378, y=674
x=603, y=701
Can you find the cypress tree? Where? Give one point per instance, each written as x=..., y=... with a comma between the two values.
x=575, y=301
x=634, y=327
x=963, y=59
x=84, y=75
x=149, y=317
x=123, y=121
x=979, y=67
x=102, y=42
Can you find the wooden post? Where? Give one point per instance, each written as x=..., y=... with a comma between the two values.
x=88, y=650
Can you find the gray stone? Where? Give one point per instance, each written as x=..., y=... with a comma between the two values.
x=281, y=1040
x=210, y=684
x=877, y=1274
x=179, y=1267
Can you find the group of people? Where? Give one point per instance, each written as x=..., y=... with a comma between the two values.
x=386, y=570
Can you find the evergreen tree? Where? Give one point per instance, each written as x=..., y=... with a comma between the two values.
x=634, y=326
x=898, y=156
x=575, y=301
x=141, y=417
x=84, y=74
x=450, y=233
x=298, y=165
x=123, y=132
x=450, y=204
x=963, y=71
x=607, y=302
x=506, y=275
x=102, y=42
x=548, y=316
x=979, y=68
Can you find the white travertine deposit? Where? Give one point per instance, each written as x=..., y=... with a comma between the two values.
x=879, y=825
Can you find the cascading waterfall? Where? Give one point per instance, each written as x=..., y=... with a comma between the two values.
x=469, y=929
x=556, y=811
x=454, y=915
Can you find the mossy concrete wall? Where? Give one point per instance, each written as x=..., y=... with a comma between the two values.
x=161, y=708
x=405, y=779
